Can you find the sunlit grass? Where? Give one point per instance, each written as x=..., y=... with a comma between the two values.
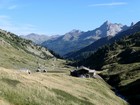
x=20, y=88
x=18, y=59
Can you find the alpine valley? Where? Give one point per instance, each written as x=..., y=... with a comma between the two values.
x=76, y=39
x=112, y=49
x=31, y=75
x=37, y=72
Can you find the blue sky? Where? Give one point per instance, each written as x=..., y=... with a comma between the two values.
x=52, y=17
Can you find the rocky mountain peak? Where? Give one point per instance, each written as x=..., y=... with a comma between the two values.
x=111, y=29
x=107, y=22
x=76, y=39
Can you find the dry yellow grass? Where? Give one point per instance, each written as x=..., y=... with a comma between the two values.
x=54, y=89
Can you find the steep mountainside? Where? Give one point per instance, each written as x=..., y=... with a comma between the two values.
x=65, y=43
x=82, y=53
x=38, y=39
x=76, y=39
x=120, y=65
x=19, y=53
x=88, y=50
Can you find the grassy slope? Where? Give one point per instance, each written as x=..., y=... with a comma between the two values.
x=13, y=58
x=125, y=73
x=19, y=88
x=120, y=63
x=18, y=53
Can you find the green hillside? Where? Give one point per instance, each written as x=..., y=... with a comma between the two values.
x=18, y=53
x=120, y=65
x=18, y=88
x=55, y=87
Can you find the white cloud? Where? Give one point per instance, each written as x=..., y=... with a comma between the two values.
x=108, y=4
x=6, y=23
x=12, y=7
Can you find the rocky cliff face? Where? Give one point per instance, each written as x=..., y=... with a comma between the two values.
x=110, y=29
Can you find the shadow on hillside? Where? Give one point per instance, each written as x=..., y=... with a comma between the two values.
x=129, y=56
x=131, y=92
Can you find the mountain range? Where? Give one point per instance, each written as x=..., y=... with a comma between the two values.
x=76, y=39
x=82, y=53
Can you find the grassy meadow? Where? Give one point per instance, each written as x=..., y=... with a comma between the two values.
x=20, y=88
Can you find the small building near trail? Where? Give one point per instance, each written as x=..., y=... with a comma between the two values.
x=43, y=69
x=38, y=69
x=84, y=72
